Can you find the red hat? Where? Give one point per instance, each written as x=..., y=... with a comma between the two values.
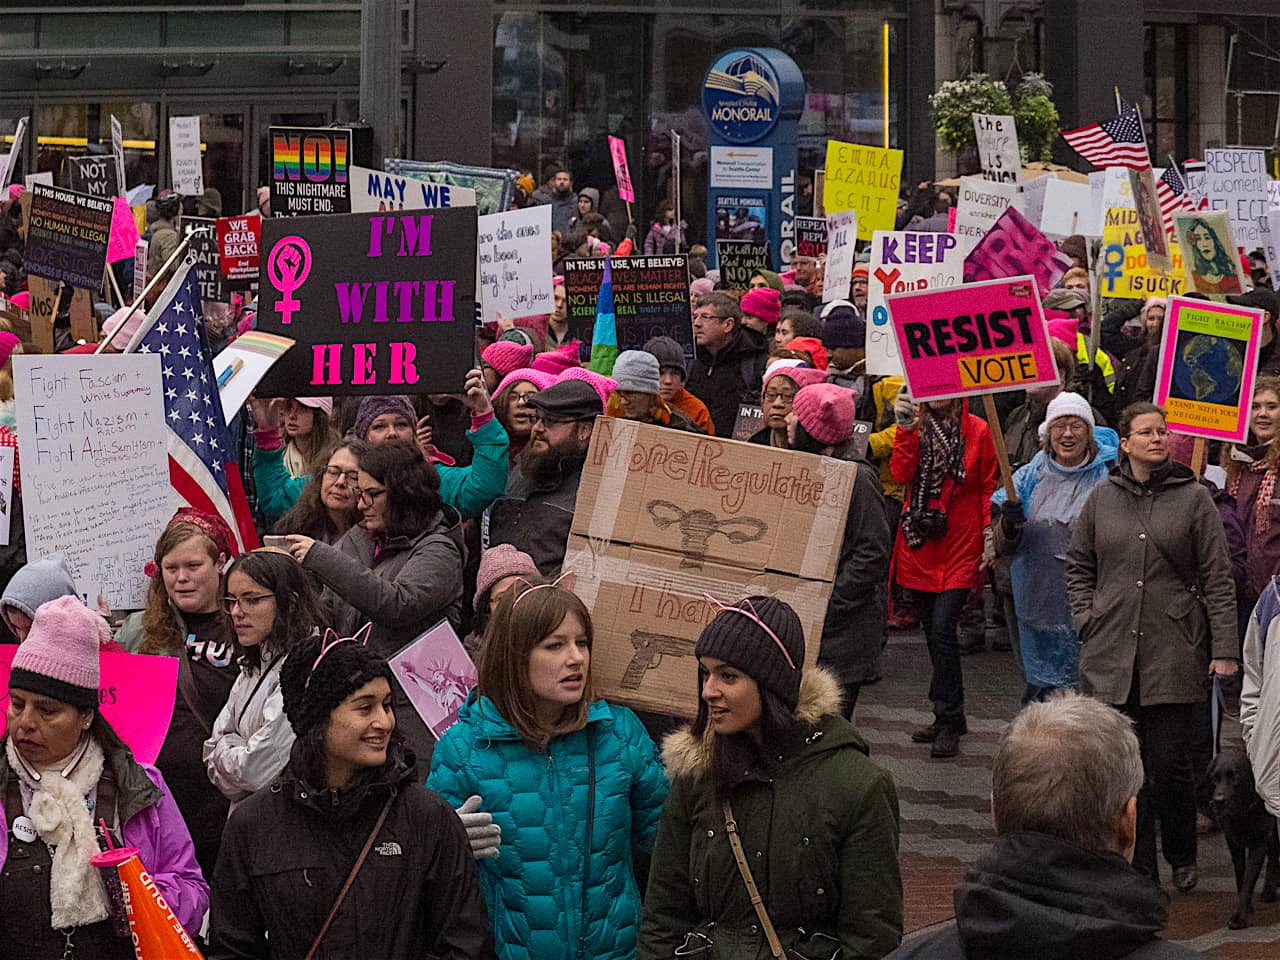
x=826, y=412
x=763, y=302
x=861, y=269
x=813, y=347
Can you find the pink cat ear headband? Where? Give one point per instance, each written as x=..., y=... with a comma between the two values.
x=750, y=613
x=565, y=581
x=331, y=640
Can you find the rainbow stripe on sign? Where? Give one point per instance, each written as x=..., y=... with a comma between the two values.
x=315, y=157
x=264, y=344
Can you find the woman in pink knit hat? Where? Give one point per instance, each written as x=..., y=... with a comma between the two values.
x=291, y=437
x=782, y=381
x=63, y=772
x=500, y=358
x=511, y=404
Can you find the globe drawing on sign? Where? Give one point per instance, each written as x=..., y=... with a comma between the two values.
x=1210, y=371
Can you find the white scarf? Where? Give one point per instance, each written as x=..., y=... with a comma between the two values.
x=60, y=815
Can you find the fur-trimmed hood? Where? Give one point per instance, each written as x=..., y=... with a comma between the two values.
x=684, y=754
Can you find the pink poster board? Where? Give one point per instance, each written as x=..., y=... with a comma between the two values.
x=136, y=696
x=1208, y=362
x=1013, y=247
x=124, y=232
x=437, y=675
x=988, y=337
x=618, y=150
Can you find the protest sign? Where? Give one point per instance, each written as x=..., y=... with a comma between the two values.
x=514, y=250
x=44, y=308
x=1269, y=230
x=1208, y=359
x=378, y=303
x=238, y=241
x=6, y=493
x=998, y=147
x=811, y=237
x=1033, y=192
x=67, y=236
x=738, y=260
x=863, y=179
x=1273, y=194
x=15, y=151
x=136, y=694
x=749, y=421
x=1236, y=184
x=186, y=167
x=242, y=364
x=95, y=467
x=979, y=206
x=373, y=191
x=32, y=179
x=494, y=188
x=124, y=231
x=902, y=261
x=1147, y=206
x=650, y=299
x=1013, y=247
x=1067, y=209
x=140, y=250
x=204, y=246
x=117, y=153
x=987, y=337
x=664, y=517
x=310, y=170
x=621, y=172
x=84, y=321
x=436, y=675
x=94, y=176
x=1209, y=257
x=842, y=232
x=1124, y=273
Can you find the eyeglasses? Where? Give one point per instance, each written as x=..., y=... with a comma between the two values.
x=248, y=601
x=522, y=399
x=773, y=395
x=333, y=473
x=363, y=494
x=704, y=316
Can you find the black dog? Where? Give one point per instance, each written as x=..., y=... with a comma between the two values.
x=1249, y=830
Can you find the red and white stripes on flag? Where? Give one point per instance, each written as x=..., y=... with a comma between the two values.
x=1115, y=143
x=1171, y=191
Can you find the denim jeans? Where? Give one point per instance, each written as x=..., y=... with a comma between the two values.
x=939, y=613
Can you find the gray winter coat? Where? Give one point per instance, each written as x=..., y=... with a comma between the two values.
x=1150, y=587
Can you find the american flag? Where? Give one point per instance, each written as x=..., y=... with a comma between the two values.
x=199, y=446
x=1171, y=191
x=1116, y=143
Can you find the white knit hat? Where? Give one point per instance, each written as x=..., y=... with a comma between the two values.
x=1067, y=405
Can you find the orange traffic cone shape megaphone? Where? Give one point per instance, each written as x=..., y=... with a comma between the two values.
x=156, y=932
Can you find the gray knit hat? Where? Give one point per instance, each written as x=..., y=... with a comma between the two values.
x=371, y=408
x=669, y=353
x=637, y=370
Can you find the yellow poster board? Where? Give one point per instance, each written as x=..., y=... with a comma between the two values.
x=1123, y=272
x=865, y=179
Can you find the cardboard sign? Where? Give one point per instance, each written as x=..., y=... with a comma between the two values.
x=811, y=237
x=514, y=251
x=863, y=179
x=618, y=151
x=1067, y=209
x=373, y=191
x=436, y=675
x=1208, y=255
x=664, y=517
x=84, y=322
x=1013, y=247
x=1147, y=206
x=15, y=151
x=238, y=241
x=136, y=694
x=842, y=232
x=998, y=147
x=1124, y=272
x=1208, y=359
x=310, y=171
x=92, y=445
x=980, y=204
x=186, y=167
x=902, y=261
x=986, y=337
x=124, y=231
x=204, y=245
x=378, y=303
x=44, y=308
x=68, y=236
x=738, y=260
x=1236, y=184
x=650, y=299
x=117, y=153
x=94, y=176
x=32, y=179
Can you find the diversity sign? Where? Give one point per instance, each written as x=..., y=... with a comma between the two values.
x=987, y=337
x=68, y=235
x=863, y=179
x=310, y=170
x=378, y=303
x=650, y=299
x=1208, y=359
x=979, y=206
x=901, y=262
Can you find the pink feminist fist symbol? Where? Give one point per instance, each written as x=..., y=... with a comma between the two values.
x=288, y=267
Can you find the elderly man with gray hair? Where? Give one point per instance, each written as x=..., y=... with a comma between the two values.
x=1057, y=884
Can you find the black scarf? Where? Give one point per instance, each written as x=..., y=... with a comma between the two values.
x=941, y=456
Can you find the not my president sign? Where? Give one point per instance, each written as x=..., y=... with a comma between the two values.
x=377, y=303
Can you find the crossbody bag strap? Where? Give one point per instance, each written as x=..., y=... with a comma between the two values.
x=731, y=827
x=351, y=877
x=1188, y=582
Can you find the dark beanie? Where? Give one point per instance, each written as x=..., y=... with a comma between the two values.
x=345, y=668
x=734, y=637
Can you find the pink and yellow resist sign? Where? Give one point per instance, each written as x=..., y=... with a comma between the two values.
x=986, y=337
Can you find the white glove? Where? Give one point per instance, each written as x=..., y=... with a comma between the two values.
x=483, y=834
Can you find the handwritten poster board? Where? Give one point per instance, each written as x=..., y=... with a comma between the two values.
x=842, y=232
x=738, y=260
x=514, y=251
x=1236, y=184
x=95, y=467
x=866, y=180
x=979, y=206
x=185, y=165
x=903, y=261
x=998, y=155
x=650, y=299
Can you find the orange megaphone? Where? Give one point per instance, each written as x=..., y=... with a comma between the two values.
x=156, y=932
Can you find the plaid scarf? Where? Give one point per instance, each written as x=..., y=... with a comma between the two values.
x=1266, y=490
x=941, y=456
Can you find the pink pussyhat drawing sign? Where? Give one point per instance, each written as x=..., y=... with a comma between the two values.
x=288, y=266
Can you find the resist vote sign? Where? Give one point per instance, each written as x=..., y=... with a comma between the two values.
x=976, y=338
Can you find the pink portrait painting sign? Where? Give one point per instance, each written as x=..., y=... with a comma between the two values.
x=976, y=338
x=437, y=675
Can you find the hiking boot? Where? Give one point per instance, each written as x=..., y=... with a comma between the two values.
x=946, y=744
x=930, y=733
x=1186, y=878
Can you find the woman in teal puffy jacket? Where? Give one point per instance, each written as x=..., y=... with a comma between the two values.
x=574, y=784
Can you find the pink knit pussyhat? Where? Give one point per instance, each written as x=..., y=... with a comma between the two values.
x=507, y=355
x=59, y=658
x=538, y=378
x=599, y=383
x=555, y=362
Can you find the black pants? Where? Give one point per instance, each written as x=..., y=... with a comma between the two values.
x=939, y=613
x=1165, y=732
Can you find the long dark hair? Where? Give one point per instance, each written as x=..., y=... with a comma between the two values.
x=308, y=760
x=309, y=515
x=763, y=748
x=298, y=610
x=412, y=484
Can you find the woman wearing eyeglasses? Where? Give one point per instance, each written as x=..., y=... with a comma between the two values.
x=400, y=569
x=511, y=405
x=273, y=608
x=326, y=508
x=346, y=854
x=782, y=381
x=290, y=439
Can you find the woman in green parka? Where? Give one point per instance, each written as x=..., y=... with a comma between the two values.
x=817, y=820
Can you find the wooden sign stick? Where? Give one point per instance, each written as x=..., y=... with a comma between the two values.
x=997, y=436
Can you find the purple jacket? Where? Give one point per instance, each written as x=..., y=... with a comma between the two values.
x=153, y=824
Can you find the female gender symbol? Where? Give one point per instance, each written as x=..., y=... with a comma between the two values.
x=288, y=267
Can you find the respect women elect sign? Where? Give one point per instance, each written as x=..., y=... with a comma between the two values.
x=988, y=337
